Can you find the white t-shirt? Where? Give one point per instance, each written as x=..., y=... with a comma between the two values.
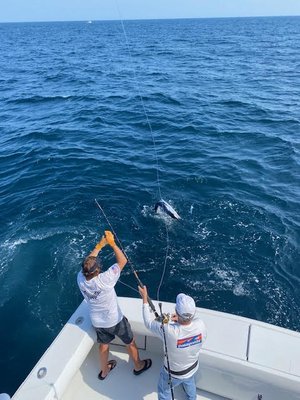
x=183, y=341
x=101, y=297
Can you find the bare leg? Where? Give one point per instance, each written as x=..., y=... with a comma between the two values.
x=134, y=354
x=103, y=353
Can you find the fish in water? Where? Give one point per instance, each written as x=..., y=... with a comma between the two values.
x=165, y=207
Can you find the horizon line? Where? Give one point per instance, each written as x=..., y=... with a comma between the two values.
x=148, y=19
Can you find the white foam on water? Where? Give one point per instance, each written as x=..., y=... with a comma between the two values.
x=239, y=290
x=12, y=244
x=147, y=211
x=203, y=232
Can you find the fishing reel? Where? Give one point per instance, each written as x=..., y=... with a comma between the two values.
x=163, y=318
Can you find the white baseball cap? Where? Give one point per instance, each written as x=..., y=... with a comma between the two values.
x=185, y=306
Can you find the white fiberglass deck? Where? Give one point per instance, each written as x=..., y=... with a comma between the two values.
x=121, y=384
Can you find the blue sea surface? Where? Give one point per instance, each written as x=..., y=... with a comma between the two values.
x=223, y=100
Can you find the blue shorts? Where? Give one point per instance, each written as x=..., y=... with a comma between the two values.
x=122, y=330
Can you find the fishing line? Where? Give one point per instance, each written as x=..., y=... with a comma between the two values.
x=130, y=287
x=162, y=204
x=165, y=263
x=141, y=98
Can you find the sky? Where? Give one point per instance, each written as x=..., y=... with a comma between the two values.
x=81, y=10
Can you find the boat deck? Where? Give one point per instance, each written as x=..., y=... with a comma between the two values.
x=241, y=359
x=121, y=384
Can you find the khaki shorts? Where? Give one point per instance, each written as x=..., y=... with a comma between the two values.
x=122, y=330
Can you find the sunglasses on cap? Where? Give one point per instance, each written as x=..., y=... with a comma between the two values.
x=90, y=270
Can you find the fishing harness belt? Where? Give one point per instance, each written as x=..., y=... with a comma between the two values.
x=185, y=371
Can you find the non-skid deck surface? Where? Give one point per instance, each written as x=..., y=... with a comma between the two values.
x=121, y=384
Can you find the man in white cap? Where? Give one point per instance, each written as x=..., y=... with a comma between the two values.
x=184, y=335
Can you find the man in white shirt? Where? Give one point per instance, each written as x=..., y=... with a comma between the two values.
x=98, y=290
x=184, y=336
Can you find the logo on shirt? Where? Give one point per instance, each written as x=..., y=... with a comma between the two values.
x=115, y=269
x=93, y=296
x=190, y=341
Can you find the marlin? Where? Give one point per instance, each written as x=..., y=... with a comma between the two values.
x=165, y=207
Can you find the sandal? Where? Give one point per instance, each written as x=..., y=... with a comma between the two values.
x=147, y=365
x=111, y=364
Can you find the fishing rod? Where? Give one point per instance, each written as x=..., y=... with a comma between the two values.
x=166, y=349
x=129, y=262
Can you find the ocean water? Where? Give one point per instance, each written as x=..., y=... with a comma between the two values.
x=223, y=100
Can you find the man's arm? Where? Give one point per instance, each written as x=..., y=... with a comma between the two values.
x=120, y=257
x=150, y=323
x=99, y=246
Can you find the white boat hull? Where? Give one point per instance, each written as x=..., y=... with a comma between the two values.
x=242, y=359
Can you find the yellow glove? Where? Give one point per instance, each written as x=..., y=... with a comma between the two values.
x=110, y=238
x=101, y=244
